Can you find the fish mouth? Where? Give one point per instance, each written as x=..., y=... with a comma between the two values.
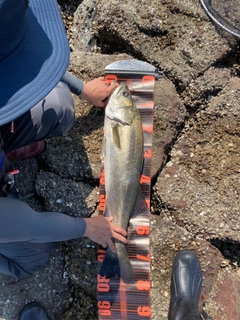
x=120, y=88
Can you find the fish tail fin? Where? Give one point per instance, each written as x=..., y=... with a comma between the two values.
x=110, y=265
x=117, y=265
x=126, y=270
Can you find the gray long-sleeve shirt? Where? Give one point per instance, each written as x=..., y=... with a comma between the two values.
x=75, y=85
x=29, y=225
x=18, y=222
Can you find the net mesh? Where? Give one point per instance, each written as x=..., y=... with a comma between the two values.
x=225, y=13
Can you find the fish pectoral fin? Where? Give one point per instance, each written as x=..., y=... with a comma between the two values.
x=115, y=136
x=140, y=205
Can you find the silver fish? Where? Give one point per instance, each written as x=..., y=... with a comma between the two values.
x=123, y=162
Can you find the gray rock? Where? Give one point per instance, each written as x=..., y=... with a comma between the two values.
x=199, y=187
x=174, y=36
x=63, y=195
x=201, y=182
x=169, y=117
x=167, y=238
x=83, y=35
x=49, y=286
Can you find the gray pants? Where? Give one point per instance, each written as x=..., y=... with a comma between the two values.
x=22, y=259
x=51, y=117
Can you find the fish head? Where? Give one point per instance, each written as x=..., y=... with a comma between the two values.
x=121, y=107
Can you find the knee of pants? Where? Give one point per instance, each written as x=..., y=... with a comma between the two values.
x=50, y=117
x=22, y=259
x=59, y=112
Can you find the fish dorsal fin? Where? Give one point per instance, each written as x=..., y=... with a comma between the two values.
x=115, y=135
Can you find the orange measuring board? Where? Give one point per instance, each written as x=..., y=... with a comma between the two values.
x=117, y=300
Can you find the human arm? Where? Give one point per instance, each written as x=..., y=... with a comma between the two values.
x=18, y=222
x=95, y=91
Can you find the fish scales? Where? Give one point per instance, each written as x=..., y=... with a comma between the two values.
x=122, y=170
x=123, y=162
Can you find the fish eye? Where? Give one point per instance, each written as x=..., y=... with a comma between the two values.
x=126, y=94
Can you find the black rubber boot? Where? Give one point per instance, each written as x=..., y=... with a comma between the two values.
x=186, y=285
x=33, y=311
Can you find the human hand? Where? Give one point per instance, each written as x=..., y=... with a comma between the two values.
x=101, y=230
x=97, y=91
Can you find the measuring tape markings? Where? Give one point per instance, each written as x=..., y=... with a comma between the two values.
x=116, y=300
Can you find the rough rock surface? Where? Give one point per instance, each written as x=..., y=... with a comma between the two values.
x=195, y=174
x=205, y=161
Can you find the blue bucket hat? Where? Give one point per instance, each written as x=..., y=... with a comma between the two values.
x=34, y=54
